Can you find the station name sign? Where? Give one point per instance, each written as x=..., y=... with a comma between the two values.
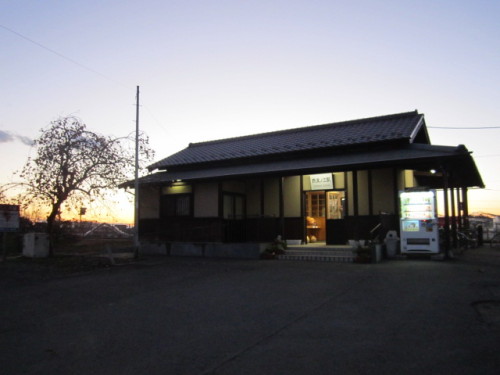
x=322, y=181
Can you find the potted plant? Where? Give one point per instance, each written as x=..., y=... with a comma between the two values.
x=363, y=254
x=275, y=248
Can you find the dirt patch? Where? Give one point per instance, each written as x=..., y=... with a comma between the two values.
x=93, y=246
x=70, y=258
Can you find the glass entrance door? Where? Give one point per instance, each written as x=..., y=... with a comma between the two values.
x=320, y=207
x=335, y=205
x=335, y=223
x=315, y=216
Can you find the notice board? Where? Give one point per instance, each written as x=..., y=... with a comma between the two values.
x=9, y=217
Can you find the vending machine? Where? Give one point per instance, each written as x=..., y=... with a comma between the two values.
x=419, y=222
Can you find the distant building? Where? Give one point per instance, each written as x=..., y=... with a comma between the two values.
x=91, y=229
x=489, y=223
x=106, y=230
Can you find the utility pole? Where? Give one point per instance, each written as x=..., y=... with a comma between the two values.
x=136, y=184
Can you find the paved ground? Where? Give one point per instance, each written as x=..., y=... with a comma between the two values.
x=196, y=316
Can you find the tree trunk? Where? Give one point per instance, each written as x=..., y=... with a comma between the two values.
x=50, y=227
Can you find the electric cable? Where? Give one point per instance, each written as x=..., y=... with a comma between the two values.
x=463, y=128
x=63, y=56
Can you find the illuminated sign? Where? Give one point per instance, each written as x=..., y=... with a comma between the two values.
x=411, y=225
x=321, y=181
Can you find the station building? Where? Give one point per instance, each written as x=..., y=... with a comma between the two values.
x=326, y=183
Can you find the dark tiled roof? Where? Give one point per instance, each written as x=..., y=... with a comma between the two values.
x=401, y=126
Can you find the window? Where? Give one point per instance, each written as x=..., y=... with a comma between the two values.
x=315, y=204
x=335, y=204
x=233, y=206
x=175, y=205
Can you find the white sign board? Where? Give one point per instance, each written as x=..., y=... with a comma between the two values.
x=9, y=217
x=321, y=181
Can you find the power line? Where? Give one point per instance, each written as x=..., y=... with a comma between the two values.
x=63, y=56
x=464, y=128
x=486, y=156
x=155, y=120
x=81, y=66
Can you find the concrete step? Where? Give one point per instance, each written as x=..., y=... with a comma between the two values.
x=318, y=258
x=319, y=247
x=319, y=254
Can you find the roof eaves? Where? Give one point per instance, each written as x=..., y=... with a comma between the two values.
x=276, y=154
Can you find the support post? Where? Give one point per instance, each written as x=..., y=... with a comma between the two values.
x=446, y=216
x=347, y=197
x=395, y=189
x=453, y=219
x=303, y=210
x=466, y=207
x=355, y=202
x=282, y=209
x=459, y=209
x=370, y=192
x=136, y=184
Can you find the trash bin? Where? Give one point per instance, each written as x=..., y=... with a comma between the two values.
x=391, y=243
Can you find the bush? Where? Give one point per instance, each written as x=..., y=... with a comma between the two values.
x=275, y=248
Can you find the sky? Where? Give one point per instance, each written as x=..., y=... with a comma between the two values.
x=215, y=69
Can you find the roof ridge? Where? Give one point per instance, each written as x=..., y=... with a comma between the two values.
x=303, y=128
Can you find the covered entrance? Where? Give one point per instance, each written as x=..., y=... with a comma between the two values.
x=323, y=209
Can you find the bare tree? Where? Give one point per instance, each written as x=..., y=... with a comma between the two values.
x=73, y=163
x=3, y=197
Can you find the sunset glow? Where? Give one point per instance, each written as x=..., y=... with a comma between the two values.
x=217, y=69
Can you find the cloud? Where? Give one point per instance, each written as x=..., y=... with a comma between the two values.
x=9, y=137
x=5, y=137
x=27, y=141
